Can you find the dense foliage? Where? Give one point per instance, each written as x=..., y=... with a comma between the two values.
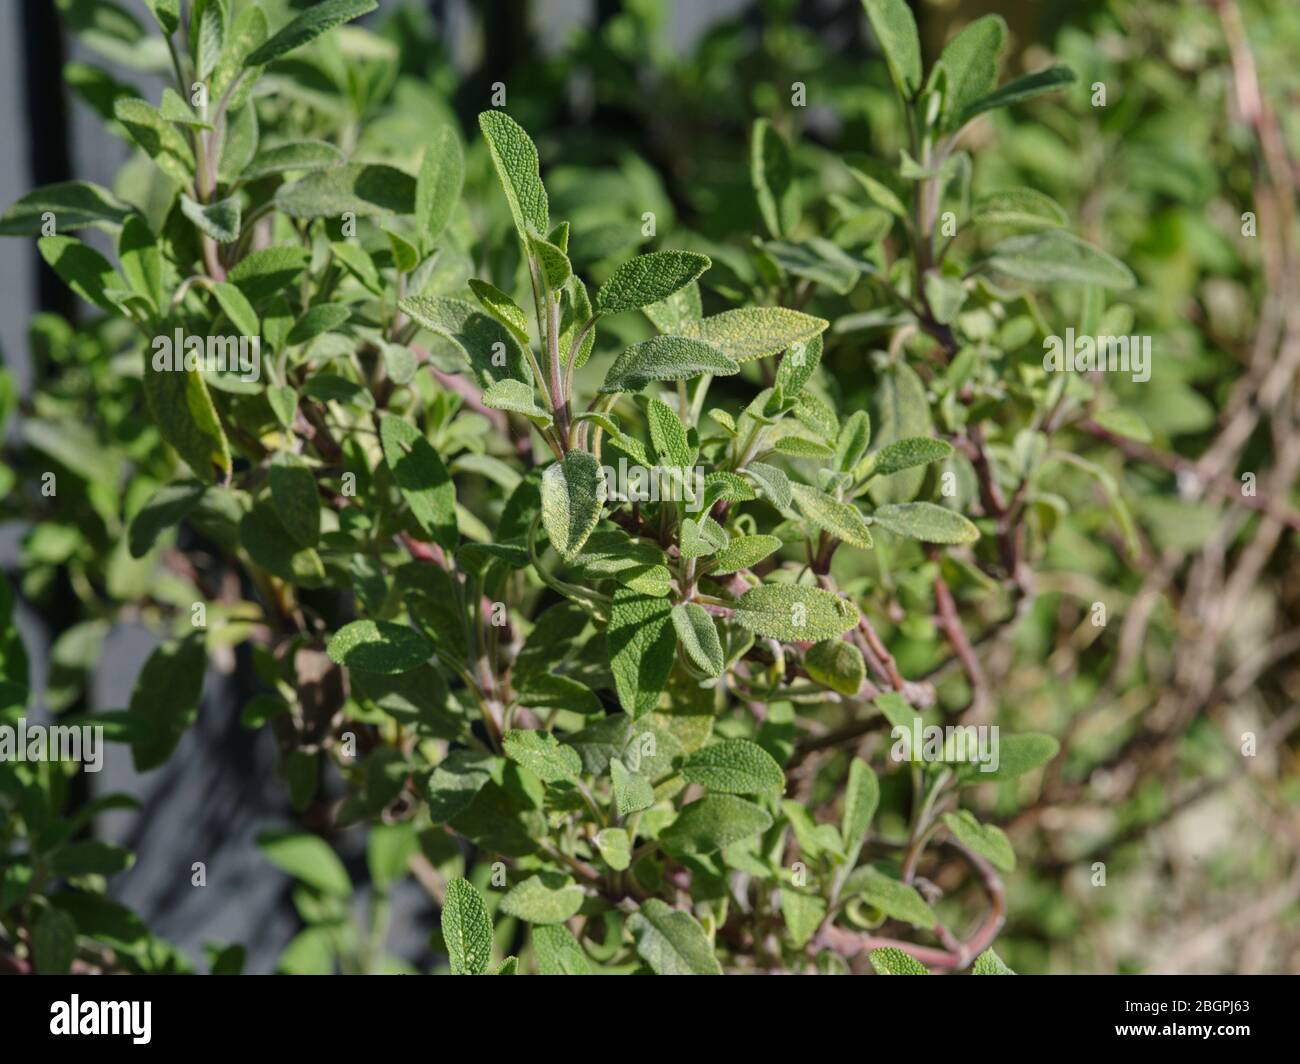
x=609, y=567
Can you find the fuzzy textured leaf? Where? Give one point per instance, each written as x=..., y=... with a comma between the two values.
x=747, y=333
x=422, y=479
x=648, y=279
x=734, y=766
x=712, y=822
x=641, y=641
x=378, y=646
x=573, y=495
x=794, y=614
x=665, y=358
x=466, y=929
x=317, y=19
x=671, y=942
x=543, y=755
x=925, y=521
x=515, y=157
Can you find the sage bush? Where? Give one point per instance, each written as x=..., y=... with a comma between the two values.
x=691, y=566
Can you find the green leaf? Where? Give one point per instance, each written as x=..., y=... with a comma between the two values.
x=547, y=898
x=649, y=278
x=836, y=664
x=509, y=966
x=317, y=19
x=904, y=454
x=263, y=273
x=641, y=641
x=378, y=646
x=1023, y=88
x=543, y=755
x=167, y=507
x=987, y=840
x=1025, y=207
x=437, y=189
x=160, y=140
x=639, y=564
x=248, y=32
x=167, y=13
x=455, y=782
x=517, y=397
x=182, y=409
x=668, y=315
x=795, y=614
x=83, y=269
x=90, y=857
x=219, y=220
x=772, y=175
x=743, y=552
x=989, y=963
x=502, y=308
x=971, y=63
x=945, y=296
x=558, y=952
x=861, y=798
x=482, y=339
x=671, y=942
x=734, y=766
x=142, y=260
x=332, y=388
x=422, y=479
x=712, y=822
x=893, y=961
x=555, y=265
x=515, y=157
x=668, y=435
x=632, y=791
x=902, y=411
x=818, y=260
x=316, y=321
x=389, y=849
x=1108, y=485
x=615, y=847
x=573, y=496
x=1057, y=256
x=466, y=929
x=698, y=637
x=925, y=521
x=881, y=194
x=165, y=699
x=54, y=942
x=798, y=366
x=296, y=155
x=307, y=858
x=295, y=497
x=895, y=29
x=895, y=899
x=1123, y=423
x=74, y=204
x=772, y=484
x=575, y=312
x=665, y=358
x=237, y=308
x=207, y=35
x=842, y=520
x=747, y=333
x=1017, y=755
x=803, y=914
x=240, y=143
x=802, y=447
x=361, y=188
x=262, y=535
